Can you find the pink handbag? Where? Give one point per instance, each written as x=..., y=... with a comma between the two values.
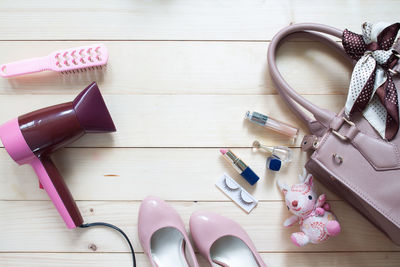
x=349, y=156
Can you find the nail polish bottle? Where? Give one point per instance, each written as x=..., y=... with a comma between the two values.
x=280, y=155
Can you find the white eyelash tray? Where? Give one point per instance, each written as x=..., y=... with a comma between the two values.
x=237, y=193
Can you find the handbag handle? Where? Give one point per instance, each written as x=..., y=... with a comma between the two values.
x=323, y=117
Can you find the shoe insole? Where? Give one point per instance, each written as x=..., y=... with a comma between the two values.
x=168, y=248
x=230, y=251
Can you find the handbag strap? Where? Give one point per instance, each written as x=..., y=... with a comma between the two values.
x=313, y=31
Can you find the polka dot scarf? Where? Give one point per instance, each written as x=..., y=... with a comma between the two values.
x=372, y=90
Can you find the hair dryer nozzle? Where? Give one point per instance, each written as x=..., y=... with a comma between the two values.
x=92, y=112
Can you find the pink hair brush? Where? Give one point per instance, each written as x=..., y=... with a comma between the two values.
x=65, y=61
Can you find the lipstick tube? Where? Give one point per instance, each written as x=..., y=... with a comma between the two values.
x=272, y=124
x=245, y=171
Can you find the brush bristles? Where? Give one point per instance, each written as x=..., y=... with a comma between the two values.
x=79, y=59
x=101, y=67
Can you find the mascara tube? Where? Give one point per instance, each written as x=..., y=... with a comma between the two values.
x=272, y=124
x=240, y=166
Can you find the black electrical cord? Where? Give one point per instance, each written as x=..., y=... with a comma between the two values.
x=86, y=225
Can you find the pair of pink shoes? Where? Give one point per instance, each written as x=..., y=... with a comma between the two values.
x=221, y=241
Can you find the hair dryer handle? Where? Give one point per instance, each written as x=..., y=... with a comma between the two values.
x=54, y=184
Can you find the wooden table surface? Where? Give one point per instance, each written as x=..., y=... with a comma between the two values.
x=180, y=77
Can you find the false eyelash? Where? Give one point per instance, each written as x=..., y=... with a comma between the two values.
x=243, y=198
x=237, y=193
x=244, y=202
x=231, y=185
x=229, y=189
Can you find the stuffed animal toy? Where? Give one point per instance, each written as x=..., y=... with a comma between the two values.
x=317, y=223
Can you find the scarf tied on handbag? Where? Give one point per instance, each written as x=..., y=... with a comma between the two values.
x=372, y=90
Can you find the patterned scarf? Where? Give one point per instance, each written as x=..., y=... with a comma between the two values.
x=372, y=90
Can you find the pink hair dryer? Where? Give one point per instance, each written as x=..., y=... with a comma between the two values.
x=33, y=137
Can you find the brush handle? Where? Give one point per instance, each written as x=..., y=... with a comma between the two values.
x=25, y=67
x=52, y=181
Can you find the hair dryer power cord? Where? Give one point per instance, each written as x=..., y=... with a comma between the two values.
x=86, y=225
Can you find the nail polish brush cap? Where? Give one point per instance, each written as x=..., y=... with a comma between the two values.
x=274, y=163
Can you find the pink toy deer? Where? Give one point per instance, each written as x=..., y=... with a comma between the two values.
x=317, y=224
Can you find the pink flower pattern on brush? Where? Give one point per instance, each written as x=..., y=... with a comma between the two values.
x=313, y=214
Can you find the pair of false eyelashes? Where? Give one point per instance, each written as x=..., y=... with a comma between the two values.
x=237, y=193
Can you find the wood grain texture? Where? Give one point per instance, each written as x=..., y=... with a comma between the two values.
x=180, y=120
x=180, y=77
x=180, y=19
x=47, y=232
x=134, y=173
x=354, y=259
x=199, y=68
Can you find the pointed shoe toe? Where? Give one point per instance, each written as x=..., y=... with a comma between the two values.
x=163, y=236
x=222, y=241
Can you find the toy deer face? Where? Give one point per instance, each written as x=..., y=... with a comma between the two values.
x=300, y=198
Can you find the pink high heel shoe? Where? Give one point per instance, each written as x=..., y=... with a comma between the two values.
x=223, y=242
x=163, y=236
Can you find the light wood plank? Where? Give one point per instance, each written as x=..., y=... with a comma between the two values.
x=179, y=20
x=216, y=68
x=174, y=104
x=113, y=174
x=39, y=221
x=178, y=120
x=355, y=259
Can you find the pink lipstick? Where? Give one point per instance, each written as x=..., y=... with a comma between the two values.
x=240, y=166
